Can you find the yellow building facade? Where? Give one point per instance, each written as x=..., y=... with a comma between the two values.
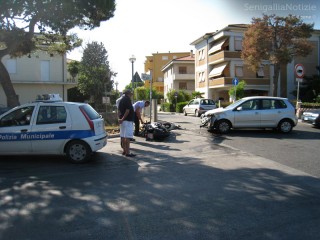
x=153, y=67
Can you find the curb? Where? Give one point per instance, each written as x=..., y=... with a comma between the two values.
x=113, y=135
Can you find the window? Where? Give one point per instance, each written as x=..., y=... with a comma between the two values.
x=45, y=70
x=164, y=57
x=279, y=104
x=201, y=54
x=182, y=70
x=239, y=71
x=11, y=65
x=19, y=117
x=273, y=104
x=238, y=44
x=192, y=102
x=160, y=79
x=201, y=77
x=182, y=86
x=51, y=115
x=266, y=104
x=250, y=105
x=260, y=73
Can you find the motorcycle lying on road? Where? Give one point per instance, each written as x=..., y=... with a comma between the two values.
x=157, y=130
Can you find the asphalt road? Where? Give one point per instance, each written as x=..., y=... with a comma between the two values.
x=192, y=185
x=300, y=149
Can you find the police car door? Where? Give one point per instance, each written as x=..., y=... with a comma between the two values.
x=50, y=131
x=14, y=129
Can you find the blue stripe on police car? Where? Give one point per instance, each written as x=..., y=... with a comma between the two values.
x=52, y=135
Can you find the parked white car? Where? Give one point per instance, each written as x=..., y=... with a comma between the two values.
x=252, y=112
x=199, y=106
x=48, y=127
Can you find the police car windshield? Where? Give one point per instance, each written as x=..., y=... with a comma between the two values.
x=92, y=114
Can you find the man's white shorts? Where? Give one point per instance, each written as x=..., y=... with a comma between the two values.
x=126, y=129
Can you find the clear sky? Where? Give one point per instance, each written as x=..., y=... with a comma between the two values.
x=143, y=27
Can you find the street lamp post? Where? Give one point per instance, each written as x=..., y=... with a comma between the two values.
x=116, y=83
x=132, y=60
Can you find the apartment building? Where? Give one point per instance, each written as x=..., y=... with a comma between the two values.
x=179, y=75
x=154, y=64
x=36, y=74
x=218, y=61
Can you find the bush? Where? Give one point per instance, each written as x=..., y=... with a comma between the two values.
x=224, y=104
x=310, y=105
x=181, y=97
x=167, y=107
x=180, y=105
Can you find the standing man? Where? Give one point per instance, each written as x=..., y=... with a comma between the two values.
x=137, y=107
x=126, y=118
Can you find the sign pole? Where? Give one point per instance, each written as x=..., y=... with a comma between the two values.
x=235, y=82
x=298, y=91
x=299, y=72
x=150, y=100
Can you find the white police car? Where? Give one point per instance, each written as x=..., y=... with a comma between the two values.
x=52, y=127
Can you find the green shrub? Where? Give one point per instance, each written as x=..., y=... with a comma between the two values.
x=180, y=105
x=310, y=105
x=167, y=107
x=224, y=104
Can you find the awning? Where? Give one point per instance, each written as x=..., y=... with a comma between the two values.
x=217, y=46
x=217, y=71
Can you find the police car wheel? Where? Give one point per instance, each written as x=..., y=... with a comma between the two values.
x=78, y=152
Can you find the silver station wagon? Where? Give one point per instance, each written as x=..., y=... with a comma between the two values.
x=252, y=112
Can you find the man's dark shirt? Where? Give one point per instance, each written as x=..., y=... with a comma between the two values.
x=125, y=103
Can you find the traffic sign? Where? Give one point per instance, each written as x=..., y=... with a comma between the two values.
x=235, y=81
x=299, y=70
x=146, y=76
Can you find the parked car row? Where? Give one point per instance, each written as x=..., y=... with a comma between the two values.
x=311, y=116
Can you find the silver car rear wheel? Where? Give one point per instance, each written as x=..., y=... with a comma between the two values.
x=285, y=126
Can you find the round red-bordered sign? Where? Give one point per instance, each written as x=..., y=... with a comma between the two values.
x=299, y=70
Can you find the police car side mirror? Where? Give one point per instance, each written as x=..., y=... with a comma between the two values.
x=239, y=108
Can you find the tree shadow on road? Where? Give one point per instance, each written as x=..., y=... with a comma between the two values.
x=114, y=197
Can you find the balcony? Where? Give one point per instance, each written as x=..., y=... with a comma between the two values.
x=227, y=81
x=187, y=76
x=223, y=56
